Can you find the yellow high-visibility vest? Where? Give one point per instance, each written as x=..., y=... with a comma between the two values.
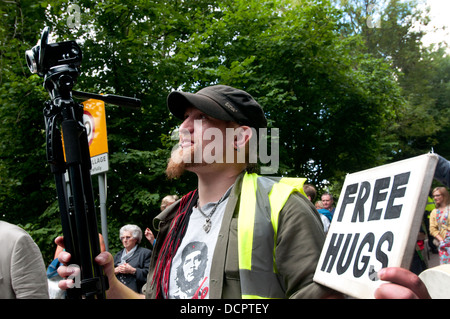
x=430, y=205
x=262, y=199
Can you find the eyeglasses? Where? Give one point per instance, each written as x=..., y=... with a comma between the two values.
x=437, y=195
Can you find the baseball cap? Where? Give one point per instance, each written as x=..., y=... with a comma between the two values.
x=220, y=102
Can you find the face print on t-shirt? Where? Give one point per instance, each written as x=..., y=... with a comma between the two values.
x=191, y=271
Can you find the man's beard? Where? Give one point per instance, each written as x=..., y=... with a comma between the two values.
x=180, y=161
x=176, y=166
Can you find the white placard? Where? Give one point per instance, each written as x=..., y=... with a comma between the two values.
x=375, y=225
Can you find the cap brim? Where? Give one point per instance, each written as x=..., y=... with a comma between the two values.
x=178, y=102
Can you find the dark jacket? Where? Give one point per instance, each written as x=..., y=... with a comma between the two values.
x=299, y=243
x=442, y=173
x=141, y=261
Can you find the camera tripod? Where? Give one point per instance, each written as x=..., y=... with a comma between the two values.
x=68, y=151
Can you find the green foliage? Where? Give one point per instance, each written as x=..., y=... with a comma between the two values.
x=25, y=188
x=44, y=230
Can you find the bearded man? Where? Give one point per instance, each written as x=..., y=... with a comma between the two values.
x=260, y=236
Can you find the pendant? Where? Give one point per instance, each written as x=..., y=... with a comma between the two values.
x=207, y=225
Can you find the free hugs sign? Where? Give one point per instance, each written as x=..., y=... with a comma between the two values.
x=375, y=225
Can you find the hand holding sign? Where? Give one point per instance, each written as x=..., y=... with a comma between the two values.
x=403, y=284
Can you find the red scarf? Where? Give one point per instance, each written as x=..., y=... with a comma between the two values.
x=171, y=243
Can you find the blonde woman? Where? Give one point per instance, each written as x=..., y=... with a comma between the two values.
x=439, y=221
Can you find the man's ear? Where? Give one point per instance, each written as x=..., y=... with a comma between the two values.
x=242, y=135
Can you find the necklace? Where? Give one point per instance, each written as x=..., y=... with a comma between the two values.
x=208, y=224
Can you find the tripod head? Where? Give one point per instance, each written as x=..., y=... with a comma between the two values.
x=59, y=64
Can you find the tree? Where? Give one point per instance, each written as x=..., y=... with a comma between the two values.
x=23, y=178
x=388, y=29
x=440, y=95
x=328, y=103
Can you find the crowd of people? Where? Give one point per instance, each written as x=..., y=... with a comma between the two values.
x=205, y=243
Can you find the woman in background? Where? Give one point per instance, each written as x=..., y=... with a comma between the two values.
x=439, y=222
x=132, y=262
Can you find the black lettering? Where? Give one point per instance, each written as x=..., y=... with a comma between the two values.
x=381, y=256
x=332, y=252
x=394, y=211
x=340, y=269
x=363, y=194
x=368, y=239
x=351, y=189
x=380, y=184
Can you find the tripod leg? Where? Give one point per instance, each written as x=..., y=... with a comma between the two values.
x=55, y=157
x=78, y=161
